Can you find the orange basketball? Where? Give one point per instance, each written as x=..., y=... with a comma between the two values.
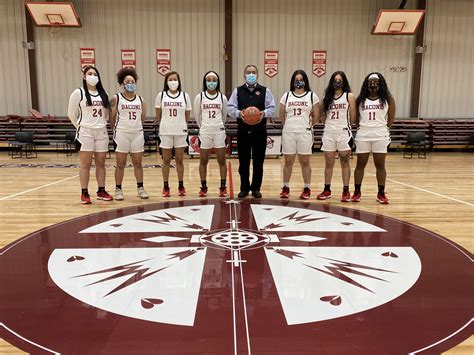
x=251, y=115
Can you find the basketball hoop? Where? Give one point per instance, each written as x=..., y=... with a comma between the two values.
x=397, y=22
x=55, y=27
x=53, y=15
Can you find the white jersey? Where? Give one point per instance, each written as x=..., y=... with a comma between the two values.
x=210, y=112
x=129, y=114
x=373, y=119
x=298, y=111
x=338, y=115
x=83, y=115
x=173, y=108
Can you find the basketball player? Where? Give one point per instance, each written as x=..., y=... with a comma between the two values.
x=210, y=108
x=127, y=114
x=338, y=112
x=173, y=109
x=376, y=114
x=251, y=139
x=299, y=112
x=88, y=111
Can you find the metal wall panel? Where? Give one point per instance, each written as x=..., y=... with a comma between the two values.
x=193, y=30
x=15, y=85
x=448, y=61
x=296, y=28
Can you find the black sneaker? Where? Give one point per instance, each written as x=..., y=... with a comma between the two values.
x=243, y=194
x=256, y=194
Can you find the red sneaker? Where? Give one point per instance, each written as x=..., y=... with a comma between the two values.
x=346, y=196
x=306, y=194
x=356, y=197
x=202, y=192
x=222, y=192
x=104, y=196
x=166, y=192
x=325, y=195
x=285, y=192
x=85, y=199
x=181, y=191
x=382, y=199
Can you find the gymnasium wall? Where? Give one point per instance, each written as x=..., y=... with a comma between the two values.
x=341, y=27
x=448, y=69
x=194, y=31
x=14, y=74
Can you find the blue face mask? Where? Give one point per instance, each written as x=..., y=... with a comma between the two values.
x=130, y=87
x=211, y=85
x=251, y=79
x=299, y=84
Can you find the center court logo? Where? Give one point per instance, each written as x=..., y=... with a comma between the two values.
x=240, y=268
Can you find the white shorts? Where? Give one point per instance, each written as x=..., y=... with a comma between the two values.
x=129, y=142
x=93, y=139
x=297, y=143
x=373, y=145
x=337, y=141
x=209, y=141
x=169, y=142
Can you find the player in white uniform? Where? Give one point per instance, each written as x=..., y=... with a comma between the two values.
x=376, y=114
x=338, y=112
x=127, y=115
x=173, y=109
x=210, y=108
x=88, y=111
x=299, y=111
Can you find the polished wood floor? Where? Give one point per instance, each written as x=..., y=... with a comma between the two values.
x=436, y=194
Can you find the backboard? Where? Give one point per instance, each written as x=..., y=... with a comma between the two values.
x=397, y=22
x=51, y=14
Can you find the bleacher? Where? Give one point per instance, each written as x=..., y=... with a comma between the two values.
x=50, y=131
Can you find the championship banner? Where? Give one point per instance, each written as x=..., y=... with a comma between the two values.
x=319, y=63
x=271, y=63
x=163, y=61
x=87, y=57
x=128, y=58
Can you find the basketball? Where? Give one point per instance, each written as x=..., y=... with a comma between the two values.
x=251, y=115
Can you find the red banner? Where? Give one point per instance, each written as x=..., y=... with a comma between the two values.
x=271, y=63
x=87, y=57
x=319, y=63
x=128, y=58
x=163, y=61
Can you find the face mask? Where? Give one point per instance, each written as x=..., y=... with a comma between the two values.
x=92, y=80
x=211, y=85
x=173, y=84
x=337, y=84
x=130, y=87
x=299, y=84
x=251, y=79
x=373, y=87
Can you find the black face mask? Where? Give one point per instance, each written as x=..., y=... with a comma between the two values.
x=373, y=88
x=337, y=84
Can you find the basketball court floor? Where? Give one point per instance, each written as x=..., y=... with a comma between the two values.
x=224, y=276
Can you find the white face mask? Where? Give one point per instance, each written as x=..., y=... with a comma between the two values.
x=173, y=84
x=92, y=80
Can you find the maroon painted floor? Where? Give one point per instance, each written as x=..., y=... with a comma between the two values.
x=254, y=296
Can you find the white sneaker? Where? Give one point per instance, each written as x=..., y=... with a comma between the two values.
x=142, y=193
x=118, y=194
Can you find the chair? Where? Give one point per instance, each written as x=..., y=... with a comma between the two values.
x=150, y=144
x=415, y=141
x=69, y=144
x=23, y=144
